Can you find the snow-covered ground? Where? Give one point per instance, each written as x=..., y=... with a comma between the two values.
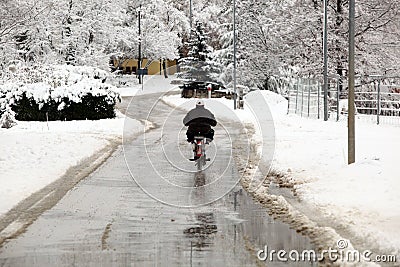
x=34, y=154
x=363, y=197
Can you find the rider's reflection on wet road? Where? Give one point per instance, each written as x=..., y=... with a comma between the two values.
x=202, y=233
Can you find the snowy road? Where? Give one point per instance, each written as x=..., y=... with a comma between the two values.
x=145, y=206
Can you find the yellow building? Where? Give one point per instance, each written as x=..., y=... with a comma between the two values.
x=154, y=67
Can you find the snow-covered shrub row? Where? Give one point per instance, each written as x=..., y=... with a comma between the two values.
x=54, y=92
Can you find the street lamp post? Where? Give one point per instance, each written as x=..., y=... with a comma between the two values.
x=325, y=48
x=190, y=14
x=140, y=47
x=234, y=56
x=351, y=113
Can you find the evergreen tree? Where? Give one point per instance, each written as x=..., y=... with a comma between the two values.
x=199, y=65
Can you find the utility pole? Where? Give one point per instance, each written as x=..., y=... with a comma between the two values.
x=234, y=56
x=190, y=14
x=140, y=48
x=325, y=46
x=351, y=117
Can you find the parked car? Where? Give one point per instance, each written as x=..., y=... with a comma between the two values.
x=199, y=89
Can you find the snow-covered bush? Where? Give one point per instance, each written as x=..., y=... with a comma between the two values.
x=59, y=93
x=7, y=120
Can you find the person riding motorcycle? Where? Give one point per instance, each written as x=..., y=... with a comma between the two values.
x=199, y=121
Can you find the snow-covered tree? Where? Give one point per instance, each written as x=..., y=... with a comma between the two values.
x=88, y=32
x=17, y=18
x=199, y=64
x=220, y=25
x=277, y=35
x=7, y=120
x=161, y=25
x=272, y=35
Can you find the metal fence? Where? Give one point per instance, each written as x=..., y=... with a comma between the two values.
x=376, y=101
x=305, y=98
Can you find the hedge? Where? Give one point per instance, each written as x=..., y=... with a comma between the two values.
x=58, y=92
x=90, y=108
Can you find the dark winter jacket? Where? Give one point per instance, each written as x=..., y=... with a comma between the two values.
x=199, y=115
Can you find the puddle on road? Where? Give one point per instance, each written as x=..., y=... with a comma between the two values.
x=241, y=230
x=201, y=235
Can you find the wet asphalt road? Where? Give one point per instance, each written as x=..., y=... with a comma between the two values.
x=149, y=206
